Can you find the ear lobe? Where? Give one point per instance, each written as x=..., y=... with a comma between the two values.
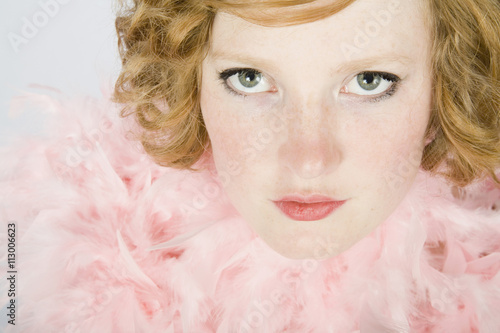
x=206, y=160
x=430, y=136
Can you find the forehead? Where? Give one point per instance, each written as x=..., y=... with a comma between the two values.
x=363, y=29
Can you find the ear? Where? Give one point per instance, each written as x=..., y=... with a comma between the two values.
x=430, y=135
x=429, y=139
x=206, y=160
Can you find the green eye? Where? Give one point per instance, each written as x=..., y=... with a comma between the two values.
x=369, y=81
x=246, y=81
x=249, y=78
x=372, y=84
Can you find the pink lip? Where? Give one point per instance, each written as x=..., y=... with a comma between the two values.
x=310, y=208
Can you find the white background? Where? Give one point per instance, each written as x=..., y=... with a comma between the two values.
x=74, y=50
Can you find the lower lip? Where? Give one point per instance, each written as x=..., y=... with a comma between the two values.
x=301, y=211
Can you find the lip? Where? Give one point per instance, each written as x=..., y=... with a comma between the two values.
x=308, y=208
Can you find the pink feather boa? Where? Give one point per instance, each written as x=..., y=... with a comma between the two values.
x=110, y=242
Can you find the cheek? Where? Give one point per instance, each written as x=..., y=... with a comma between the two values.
x=399, y=147
x=231, y=137
x=394, y=157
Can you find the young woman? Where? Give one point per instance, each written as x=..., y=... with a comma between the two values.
x=338, y=162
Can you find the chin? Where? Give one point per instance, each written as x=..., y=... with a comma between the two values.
x=316, y=248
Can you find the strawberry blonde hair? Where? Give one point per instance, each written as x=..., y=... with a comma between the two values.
x=162, y=44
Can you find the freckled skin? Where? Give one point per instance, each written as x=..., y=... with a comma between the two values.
x=310, y=137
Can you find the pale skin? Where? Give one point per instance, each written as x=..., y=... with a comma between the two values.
x=288, y=111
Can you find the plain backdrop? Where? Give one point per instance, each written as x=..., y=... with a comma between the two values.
x=69, y=45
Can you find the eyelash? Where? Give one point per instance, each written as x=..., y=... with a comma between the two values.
x=396, y=80
x=226, y=74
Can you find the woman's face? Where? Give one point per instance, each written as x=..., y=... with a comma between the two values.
x=317, y=130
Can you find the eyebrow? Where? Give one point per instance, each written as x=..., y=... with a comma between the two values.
x=371, y=62
x=347, y=66
x=241, y=58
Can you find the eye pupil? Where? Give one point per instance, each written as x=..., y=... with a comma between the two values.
x=249, y=79
x=369, y=81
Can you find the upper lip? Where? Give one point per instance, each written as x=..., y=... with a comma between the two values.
x=314, y=198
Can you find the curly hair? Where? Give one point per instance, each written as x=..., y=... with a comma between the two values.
x=162, y=44
x=466, y=69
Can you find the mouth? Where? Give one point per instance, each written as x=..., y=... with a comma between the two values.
x=308, y=209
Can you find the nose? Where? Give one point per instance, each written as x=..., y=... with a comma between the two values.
x=311, y=149
x=309, y=159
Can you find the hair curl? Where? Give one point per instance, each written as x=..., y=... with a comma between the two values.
x=162, y=44
x=466, y=68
